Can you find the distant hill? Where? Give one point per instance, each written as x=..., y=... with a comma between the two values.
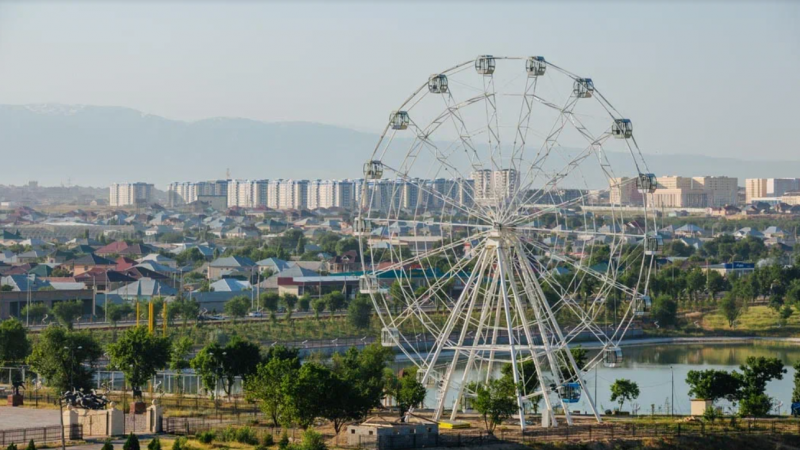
x=98, y=145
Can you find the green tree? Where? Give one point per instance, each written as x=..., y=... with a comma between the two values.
x=270, y=301
x=407, y=391
x=578, y=354
x=359, y=312
x=334, y=301
x=312, y=392
x=528, y=378
x=695, y=282
x=716, y=283
x=132, y=443
x=66, y=312
x=624, y=390
x=796, y=389
x=784, y=313
x=665, y=310
x=756, y=373
x=304, y=303
x=108, y=445
x=35, y=311
x=118, y=311
x=65, y=358
x=154, y=444
x=179, y=357
x=346, y=245
x=731, y=308
x=139, y=355
x=267, y=385
x=290, y=301
x=237, y=307
x=31, y=445
x=184, y=308
x=14, y=343
x=713, y=384
x=318, y=305
x=214, y=362
x=495, y=401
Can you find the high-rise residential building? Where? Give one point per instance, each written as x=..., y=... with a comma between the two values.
x=130, y=194
x=185, y=192
x=694, y=192
x=293, y=194
x=331, y=194
x=623, y=191
x=247, y=193
x=756, y=188
x=491, y=186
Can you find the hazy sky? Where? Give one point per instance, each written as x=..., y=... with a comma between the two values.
x=717, y=78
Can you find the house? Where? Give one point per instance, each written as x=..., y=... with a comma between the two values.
x=690, y=230
x=220, y=266
x=273, y=265
x=346, y=262
x=159, y=259
x=143, y=289
x=748, y=232
x=113, y=248
x=138, y=250
x=774, y=232
x=231, y=285
x=87, y=262
x=104, y=279
x=382, y=436
x=725, y=269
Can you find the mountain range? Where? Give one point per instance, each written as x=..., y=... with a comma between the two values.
x=98, y=145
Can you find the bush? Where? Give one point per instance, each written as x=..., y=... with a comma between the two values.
x=132, y=443
x=268, y=440
x=206, y=437
x=246, y=435
x=11, y=446
x=711, y=414
x=176, y=445
x=31, y=445
x=155, y=444
x=283, y=444
x=107, y=445
x=313, y=441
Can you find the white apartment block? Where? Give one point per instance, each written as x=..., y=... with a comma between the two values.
x=623, y=191
x=694, y=192
x=247, y=193
x=331, y=194
x=492, y=186
x=185, y=192
x=293, y=194
x=130, y=194
x=756, y=188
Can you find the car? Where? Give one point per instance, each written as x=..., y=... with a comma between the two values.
x=256, y=314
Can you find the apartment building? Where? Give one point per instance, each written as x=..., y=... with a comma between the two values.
x=623, y=191
x=185, y=192
x=130, y=194
x=491, y=186
x=694, y=192
x=247, y=193
x=331, y=194
x=756, y=188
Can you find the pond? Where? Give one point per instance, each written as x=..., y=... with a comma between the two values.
x=652, y=367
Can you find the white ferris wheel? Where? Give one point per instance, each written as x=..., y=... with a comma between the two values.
x=490, y=233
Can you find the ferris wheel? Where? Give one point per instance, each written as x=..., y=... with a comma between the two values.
x=491, y=236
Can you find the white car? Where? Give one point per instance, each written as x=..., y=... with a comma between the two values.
x=256, y=314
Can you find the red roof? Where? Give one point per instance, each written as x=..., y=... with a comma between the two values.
x=124, y=263
x=114, y=247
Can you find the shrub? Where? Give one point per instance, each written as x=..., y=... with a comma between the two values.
x=283, y=444
x=155, y=444
x=11, y=446
x=176, y=445
x=107, y=445
x=313, y=441
x=268, y=440
x=246, y=435
x=31, y=445
x=206, y=437
x=132, y=443
x=711, y=414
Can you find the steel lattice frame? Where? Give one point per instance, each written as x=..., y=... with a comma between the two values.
x=494, y=245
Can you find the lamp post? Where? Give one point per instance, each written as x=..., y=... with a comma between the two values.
x=672, y=385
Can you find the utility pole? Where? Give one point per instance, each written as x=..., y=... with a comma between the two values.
x=672, y=383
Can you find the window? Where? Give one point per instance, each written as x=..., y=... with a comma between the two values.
x=353, y=431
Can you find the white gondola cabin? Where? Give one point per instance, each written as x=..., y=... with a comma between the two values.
x=653, y=244
x=484, y=64
x=373, y=170
x=646, y=183
x=361, y=227
x=583, y=88
x=612, y=357
x=368, y=284
x=399, y=120
x=390, y=337
x=535, y=66
x=645, y=305
x=622, y=128
x=437, y=83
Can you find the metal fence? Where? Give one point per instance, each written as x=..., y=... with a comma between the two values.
x=40, y=435
x=190, y=426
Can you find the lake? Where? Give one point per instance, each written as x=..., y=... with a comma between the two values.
x=652, y=366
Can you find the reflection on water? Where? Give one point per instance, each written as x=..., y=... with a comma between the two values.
x=652, y=367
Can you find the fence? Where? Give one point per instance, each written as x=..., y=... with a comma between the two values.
x=189, y=426
x=40, y=435
x=582, y=433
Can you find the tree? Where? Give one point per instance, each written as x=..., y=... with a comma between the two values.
x=784, y=313
x=35, y=311
x=14, y=343
x=796, y=389
x=304, y=303
x=238, y=358
x=756, y=373
x=312, y=393
x=290, y=301
x=695, y=281
x=132, y=443
x=716, y=283
x=359, y=312
x=665, y=310
x=237, y=307
x=108, y=445
x=185, y=308
x=495, y=401
x=31, y=445
x=334, y=301
x=116, y=312
x=65, y=358
x=270, y=301
x=66, y=312
x=266, y=385
x=579, y=355
x=179, y=356
x=318, y=305
x=730, y=308
x=139, y=355
x=623, y=390
x=154, y=444
x=528, y=378
x=713, y=384
x=345, y=245
x=407, y=391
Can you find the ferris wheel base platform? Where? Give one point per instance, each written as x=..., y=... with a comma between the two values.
x=453, y=424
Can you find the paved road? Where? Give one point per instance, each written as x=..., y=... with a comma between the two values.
x=12, y=418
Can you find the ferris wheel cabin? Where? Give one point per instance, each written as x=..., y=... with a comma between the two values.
x=484, y=64
x=361, y=227
x=437, y=83
x=622, y=129
x=368, y=284
x=653, y=244
x=570, y=392
x=390, y=337
x=612, y=357
x=646, y=306
x=399, y=120
x=583, y=88
x=373, y=170
x=535, y=66
x=646, y=183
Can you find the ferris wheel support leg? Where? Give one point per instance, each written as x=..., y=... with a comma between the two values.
x=509, y=326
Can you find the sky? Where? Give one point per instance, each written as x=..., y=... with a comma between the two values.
x=715, y=78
